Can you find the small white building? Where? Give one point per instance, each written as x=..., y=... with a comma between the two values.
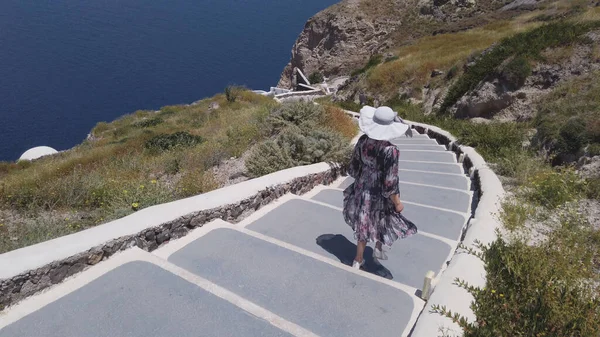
x=37, y=152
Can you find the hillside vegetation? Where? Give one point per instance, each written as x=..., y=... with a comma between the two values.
x=148, y=157
x=543, y=273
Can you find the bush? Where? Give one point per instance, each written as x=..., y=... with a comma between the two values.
x=166, y=142
x=568, y=119
x=592, y=190
x=232, y=93
x=146, y=123
x=268, y=157
x=544, y=290
x=593, y=150
x=300, y=114
x=571, y=136
x=194, y=182
x=550, y=188
x=515, y=72
x=316, y=78
x=391, y=59
x=293, y=147
x=452, y=72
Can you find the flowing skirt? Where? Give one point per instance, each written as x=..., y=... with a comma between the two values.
x=374, y=218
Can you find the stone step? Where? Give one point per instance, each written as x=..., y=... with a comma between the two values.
x=429, y=178
x=315, y=295
x=414, y=141
x=454, y=200
x=415, y=135
x=428, y=156
x=446, y=224
x=432, y=167
x=424, y=147
x=460, y=182
x=139, y=299
x=322, y=230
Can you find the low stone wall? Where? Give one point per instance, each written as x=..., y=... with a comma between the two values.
x=481, y=228
x=23, y=280
x=299, y=94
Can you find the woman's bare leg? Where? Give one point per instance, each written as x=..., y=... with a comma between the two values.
x=360, y=250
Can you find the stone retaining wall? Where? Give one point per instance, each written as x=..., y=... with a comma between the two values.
x=29, y=282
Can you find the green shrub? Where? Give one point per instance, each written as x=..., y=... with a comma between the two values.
x=268, y=157
x=300, y=114
x=592, y=188
x=544, y=290
x=568, y=119
x=147, y=123
x=593, y=150
x=296, y=147
x=169, y=141
x=195, y=182
x=515, y=72
x=391, y=58
x=232, y=93
x=572, y=136
x=550, y=188
x=316, y=78
x=452, y=72
x=527, y=45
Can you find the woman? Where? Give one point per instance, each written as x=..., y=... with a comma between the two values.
x=372, y=205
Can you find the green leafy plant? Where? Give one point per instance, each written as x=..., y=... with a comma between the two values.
x=232, y=93
x=316, y=77
x=551, y=188
x=536, y=290
x=300, y=114
x=147, y=123
x=169, y=141
x=515, y=72
x=293, y=147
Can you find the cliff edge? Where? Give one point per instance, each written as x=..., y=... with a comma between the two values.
x=342, y=38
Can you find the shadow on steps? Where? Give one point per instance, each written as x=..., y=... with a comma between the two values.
x=345, y=251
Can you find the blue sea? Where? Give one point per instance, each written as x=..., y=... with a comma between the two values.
x=67, y=64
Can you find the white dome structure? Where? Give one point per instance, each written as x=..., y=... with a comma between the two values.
x=37, y=152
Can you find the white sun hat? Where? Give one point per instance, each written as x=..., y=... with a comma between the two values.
x=381, y=123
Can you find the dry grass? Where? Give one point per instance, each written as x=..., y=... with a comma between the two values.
x=115, y=174
x=337, y=120
x=592, y=14
x=418, y=60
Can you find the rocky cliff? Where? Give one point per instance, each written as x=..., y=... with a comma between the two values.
x=341, y=38
x=337, y=41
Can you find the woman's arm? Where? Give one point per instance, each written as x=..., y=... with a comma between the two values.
x=397, y=203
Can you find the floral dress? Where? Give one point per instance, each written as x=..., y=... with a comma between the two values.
x=367, y=207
